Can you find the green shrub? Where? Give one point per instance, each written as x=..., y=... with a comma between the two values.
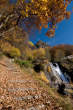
x=14, y=52
x=28, y=53
x=10, y=50
x=1, y=54
x=39, y=53
x=24, y=63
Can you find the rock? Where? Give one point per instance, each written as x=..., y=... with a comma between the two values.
x=41, y=106
x=32, y=108
x=1, y=106
x=67, y=67
x=2, y=97
x=41, y=44
x=60, y=108
x=61, y=89
x=48, y=103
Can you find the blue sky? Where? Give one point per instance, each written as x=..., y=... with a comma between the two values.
x=63, y=35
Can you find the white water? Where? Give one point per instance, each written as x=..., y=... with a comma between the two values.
x=57, y=72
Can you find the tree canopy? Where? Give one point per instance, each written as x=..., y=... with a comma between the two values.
x=44, y=13
x=33, y=13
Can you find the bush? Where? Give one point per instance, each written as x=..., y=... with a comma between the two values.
x=24, y=63
x=30, y=44
x=10, y=51
x=47, y=52
x=43, y=77
x=14, y=52
x=38, y=53
x=28, y=54
x=1, y=54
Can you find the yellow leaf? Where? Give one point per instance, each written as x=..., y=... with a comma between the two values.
x=43, y=77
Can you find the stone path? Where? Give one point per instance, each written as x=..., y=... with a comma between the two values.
x=19, y=91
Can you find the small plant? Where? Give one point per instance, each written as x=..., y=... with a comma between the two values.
x=1, y=54
x=43, y=77
x=39, y=53
x=10, y=50
x=14, y=52
x=28, y=54
x=24, y=63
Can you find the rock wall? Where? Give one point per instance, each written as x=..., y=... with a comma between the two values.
x=67, y=67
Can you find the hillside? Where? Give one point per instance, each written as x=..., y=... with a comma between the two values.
x=24, y=90
x=35, y=76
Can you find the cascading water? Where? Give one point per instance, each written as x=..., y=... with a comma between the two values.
x=57, y=72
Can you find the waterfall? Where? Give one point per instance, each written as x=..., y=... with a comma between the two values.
x=57, y=72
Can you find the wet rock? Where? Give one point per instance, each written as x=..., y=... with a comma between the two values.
x=67, y=67
x=61, y=89
x=38, y=67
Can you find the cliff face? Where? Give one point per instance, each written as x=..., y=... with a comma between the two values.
x=41, y=44
x=67, y=67
x=23, y=89
x=63, y=55
x=58, y=54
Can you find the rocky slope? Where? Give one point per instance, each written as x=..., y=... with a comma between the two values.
x=20, y=91
x=67, y=66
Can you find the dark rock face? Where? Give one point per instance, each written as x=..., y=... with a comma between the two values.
x=38, y=67
x=61, y=89
x=41, y=44
x=67, y=67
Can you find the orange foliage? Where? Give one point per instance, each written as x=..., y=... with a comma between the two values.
x=35, y=13
x=44, y=12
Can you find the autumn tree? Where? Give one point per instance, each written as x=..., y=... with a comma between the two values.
x=44, y=13
x=48, y=54
x=30, y=13
x=60, y=51
x=10, y=33
x=33, y=13
x=58, y=55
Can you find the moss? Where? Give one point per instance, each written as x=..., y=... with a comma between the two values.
x=1, y=54
x=24, y=63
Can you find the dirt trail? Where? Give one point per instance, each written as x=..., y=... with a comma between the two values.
x=19, y=91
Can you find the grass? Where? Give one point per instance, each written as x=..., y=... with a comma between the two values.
x=24, y=63
x=63, y=101
x=1, y=54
